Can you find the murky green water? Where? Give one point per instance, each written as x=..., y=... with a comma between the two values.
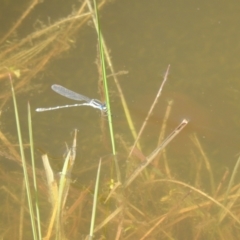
x=199, y=39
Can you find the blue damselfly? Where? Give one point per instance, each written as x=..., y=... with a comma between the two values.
x=74, y=96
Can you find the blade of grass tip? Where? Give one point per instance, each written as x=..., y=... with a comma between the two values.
x=34, y=172
x=149, y=159
x=110, y=65
x=95, y=201
x=221, y=183
x=231, y=182
x=64, y=184
x=197, y=143
x=161, y=137
x=101, y=51
x=229, y=206
x=70, y=166
x=53, y=194
x=63, y=187
x=51, y=183
x=25, y=173
x=150, y=111
x=164, y=124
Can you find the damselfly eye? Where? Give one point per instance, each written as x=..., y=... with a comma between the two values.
x=104, y=107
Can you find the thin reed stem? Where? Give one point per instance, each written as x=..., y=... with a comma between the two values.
x=161, y=138
x=34, y=172
x=110, y=66
x=150, y=158
x=102, y=58
x=150, y=111
x=95, y=200
x=197, y=143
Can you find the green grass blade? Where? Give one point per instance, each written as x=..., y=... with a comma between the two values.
x=110, y=66
x=64, y=183
x=101, y=51
x=34, y=172
x=104, y=78
x=26, y=179
x=95, y=200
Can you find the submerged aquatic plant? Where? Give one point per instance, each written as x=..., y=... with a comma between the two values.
x=144, y=198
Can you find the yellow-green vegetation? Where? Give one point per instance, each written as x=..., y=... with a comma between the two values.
x=144, y=198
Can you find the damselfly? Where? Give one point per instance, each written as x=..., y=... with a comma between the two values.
x=74, y=96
